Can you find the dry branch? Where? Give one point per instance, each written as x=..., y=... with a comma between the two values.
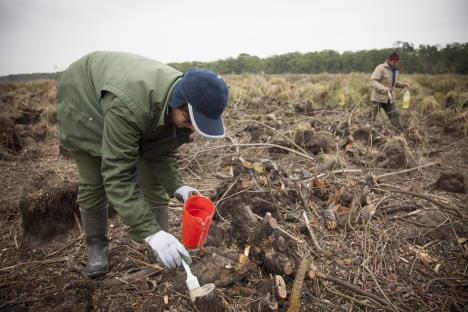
x=130, y=278
x=279, y=228
x=34, y=262
x=423, y=196
x=311, y=231
x=71, y=243
x=235, y=257
x=258, y=145
x=276, y=131
x=356, y=289
x=294, y=301
x=405, y=171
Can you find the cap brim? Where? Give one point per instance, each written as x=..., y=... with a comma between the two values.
x=207, y=127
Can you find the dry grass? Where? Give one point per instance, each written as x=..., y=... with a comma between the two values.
x=31, y=103
x=431, y=96
x=354, y=85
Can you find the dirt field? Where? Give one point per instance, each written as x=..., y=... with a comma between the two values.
x=351, y=215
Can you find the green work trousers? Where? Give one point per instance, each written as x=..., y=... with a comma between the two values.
x=91, y=192
x=392, y=112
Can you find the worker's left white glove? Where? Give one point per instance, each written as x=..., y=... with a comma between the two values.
x=168, y=249
x=184, y=192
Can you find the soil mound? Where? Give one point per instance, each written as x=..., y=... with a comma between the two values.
x=395, y=155
x=48, y=206
x=314, y=142
x=451, y=182
x=9, y=139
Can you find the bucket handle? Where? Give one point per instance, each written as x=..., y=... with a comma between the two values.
x=203, y=237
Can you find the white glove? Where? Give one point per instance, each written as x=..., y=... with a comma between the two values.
x=168, y=249
x=183, y=193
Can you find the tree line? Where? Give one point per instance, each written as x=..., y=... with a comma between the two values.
x=425, y=59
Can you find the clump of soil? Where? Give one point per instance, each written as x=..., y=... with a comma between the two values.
x=394, y=155
x=9, y=139
x=255, y=132
x=306, y=108
x=367, y=134
x=48, y=206
x=314, y=142
x=329, y=162
x=276, y=150
x=451, y=182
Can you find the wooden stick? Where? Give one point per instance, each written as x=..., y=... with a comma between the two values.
x=356, y=300
x=311, y=231
x=406, y=170
x=354, y=288
x=258, y=145
x=294, y=300
x=277, y=132
x=337, y=171
x=380, y=289
x=409, y=214
x=78, y=223
x=71, y=243
x=423, y=196
x=35, y=262
x=222, y=197
x=130, y=278
x=279, y=228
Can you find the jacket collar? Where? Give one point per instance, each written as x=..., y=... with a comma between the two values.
x=388, y=66
x=163, y=118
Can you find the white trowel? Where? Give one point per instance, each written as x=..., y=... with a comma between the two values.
x=193, y=285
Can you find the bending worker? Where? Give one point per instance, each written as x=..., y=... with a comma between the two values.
x=122, y=118
x=383, y=81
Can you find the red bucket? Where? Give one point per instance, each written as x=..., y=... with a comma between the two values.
x=196, y=220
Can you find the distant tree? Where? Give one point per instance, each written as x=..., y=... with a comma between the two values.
x=426, y=59
x=403, y=46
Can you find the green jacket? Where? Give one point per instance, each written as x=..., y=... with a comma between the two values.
x=382, y=77
x=134, y=122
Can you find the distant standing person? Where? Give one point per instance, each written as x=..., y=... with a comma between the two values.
x=383, y=81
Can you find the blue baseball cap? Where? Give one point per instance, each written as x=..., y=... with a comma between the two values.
x=206, y=95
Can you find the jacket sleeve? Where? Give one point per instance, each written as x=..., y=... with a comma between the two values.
x=120, y=144
x=399, y=84
x=168, y=172
x=375, y=79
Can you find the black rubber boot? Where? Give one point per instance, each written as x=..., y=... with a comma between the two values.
x=95, y=227
x=161, y=215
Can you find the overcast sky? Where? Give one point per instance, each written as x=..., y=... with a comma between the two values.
x=47, y=35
